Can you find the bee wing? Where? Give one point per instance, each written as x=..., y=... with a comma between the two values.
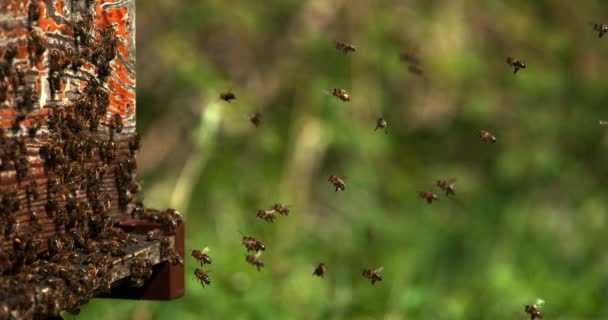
x=205, y=249
x=378, y=270
x=603, y=123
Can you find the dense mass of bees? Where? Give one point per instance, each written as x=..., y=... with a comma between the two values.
x=77, y=146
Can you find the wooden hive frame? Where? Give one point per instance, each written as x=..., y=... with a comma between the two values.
x=68, y=160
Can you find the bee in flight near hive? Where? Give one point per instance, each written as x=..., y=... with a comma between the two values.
x=266, y=215
x=227, y=96
x=253, y=244
x=256, y=119
x=487, y=137
x=254, y=260
x=340, y=94
x=281, y=209
x=345, y=47
x=320, y=270
x=373, y=275
x=202, y=256
x=534, y=310
x=516, y=64
x=448, y=186
x=337, y=182
x=382, y=124
x=600, y=28
x=414, y=63
x=428, y=196
x=202, y=276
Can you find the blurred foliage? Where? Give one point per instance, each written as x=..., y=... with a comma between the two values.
x=529, y=218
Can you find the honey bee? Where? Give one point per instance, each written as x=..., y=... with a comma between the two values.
x=256, y=119
x=254, y=260
x=428, y=196
x=381, y=124
x=448, y=186
x=415, y=69
x=487, y=137
x=340, y=94
x=534, y=310
x=253, y=244
x=337, y=182
x=373, y=275
x=345, y=47
x=600, y=28
x=516, y=63
x=267, y=215
x=320, y=270
x=202, y=276
x=201, y=256
x=227, y=96
x=281, y=209
x=409, y=57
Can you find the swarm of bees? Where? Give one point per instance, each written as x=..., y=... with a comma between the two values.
x=516, y=64
x=203, y=258
x=337, y=182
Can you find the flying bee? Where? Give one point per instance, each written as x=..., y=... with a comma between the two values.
x=254, y=260
x=337, y=182
x=267, y=215
x=281, y=209
x=448, y=186
x=534, y=310
x=227, y=96
x=320, y=270
x=600, y=28
x=428, y=196
x=381, y=124
x=516, y=64
x=253, y=244
x=409, y=57
x=415, y=69
x=340, y=94
x=256, y=119
x=373, y=275
x=201, y=256
x=487, y=137
x=202, y=276
x=345, y=47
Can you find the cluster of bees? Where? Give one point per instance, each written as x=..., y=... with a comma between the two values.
x=80, y=164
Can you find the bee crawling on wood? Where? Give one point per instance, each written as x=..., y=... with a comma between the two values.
x=254, y=260
x=448, y=186
x=337, y=182
x=516, y=64
x=202, y=256
x=600, y=28
x=381, y=124
x=266, y=215
x=202, y=276
x=534, y=310
x=428, y=196
x=227, y=96
x=373, y=275
x=487, y=137
x=320, y=270
x=345, y=47
x=340, y=94
x=281, y=209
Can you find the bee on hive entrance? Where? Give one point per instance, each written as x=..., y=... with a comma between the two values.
x=373, y=275
x=254, y=260
x=516, y=64
x=266, y=215
x=337, y=182
x=600, y=28
x=320, y=270
x=281, y=209
x=487, y=137
x=428, y=196
x=448, y=186
x=534, y=310
x=227, y=96
x=381, y=124
x=256, y=119
x=340, y=94
x=202, y=256
x=345, y=47
x=202, y=276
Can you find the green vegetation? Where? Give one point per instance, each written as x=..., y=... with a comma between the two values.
x=529, y=217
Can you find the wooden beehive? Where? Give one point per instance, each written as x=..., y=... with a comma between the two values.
x=68, y=143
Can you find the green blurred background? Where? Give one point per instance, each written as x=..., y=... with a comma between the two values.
x=529, y=219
